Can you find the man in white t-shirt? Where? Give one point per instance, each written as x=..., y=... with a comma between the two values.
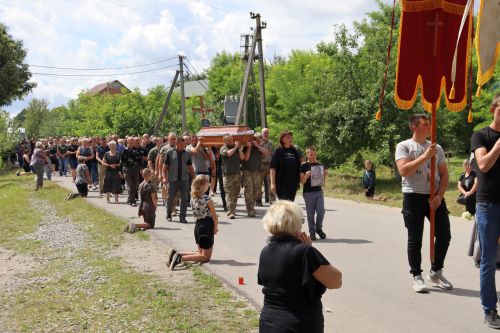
x=413, y=158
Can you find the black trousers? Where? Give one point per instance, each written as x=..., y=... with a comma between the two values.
x=415, y=210
x=132, y=180
x=287, y=191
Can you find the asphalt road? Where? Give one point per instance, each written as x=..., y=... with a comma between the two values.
x=367, y=242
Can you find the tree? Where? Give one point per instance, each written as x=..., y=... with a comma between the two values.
x=14, y=74
x=8, y=137
x=37, y=113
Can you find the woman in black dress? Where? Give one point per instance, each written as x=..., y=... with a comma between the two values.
x=293, y=273
x=113, y=177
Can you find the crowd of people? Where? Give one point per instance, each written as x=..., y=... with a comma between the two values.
x=114, y=166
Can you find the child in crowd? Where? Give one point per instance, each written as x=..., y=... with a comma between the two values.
x=205, y=228
x=82, y=180
x=369, y=180
x=147, y=207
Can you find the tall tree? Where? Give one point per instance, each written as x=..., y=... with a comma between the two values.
x=14, y=73
x=37, y=113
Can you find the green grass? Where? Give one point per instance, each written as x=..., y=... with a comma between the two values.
x=345, y=183
x=89, y=291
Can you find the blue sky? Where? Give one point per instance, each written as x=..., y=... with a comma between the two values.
x=118, y=33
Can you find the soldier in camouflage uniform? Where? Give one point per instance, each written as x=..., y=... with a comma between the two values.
x=264, y=170
x=253, y=153
x=231, y=153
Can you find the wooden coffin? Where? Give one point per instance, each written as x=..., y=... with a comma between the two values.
x=213, y=136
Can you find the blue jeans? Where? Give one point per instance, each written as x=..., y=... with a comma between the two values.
x=488, y=227
x=63, y=167
x=315, y=203
x=94, y=173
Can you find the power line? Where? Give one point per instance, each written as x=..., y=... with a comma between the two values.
x=102, y=68
x=160, y=15
x=191, y=65
x=200, y=82
x=114, y=74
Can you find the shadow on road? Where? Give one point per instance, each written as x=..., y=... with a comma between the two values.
x=345, y=241
x=165, y=228
x=231, y=262
x=457, y=292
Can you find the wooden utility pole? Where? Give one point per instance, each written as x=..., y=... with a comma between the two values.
x=244, y=87
x=165, y=105
x=245, y=59
x=263, y=114
x=183, y=97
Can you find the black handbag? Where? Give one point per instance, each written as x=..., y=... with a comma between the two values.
x=461, y=199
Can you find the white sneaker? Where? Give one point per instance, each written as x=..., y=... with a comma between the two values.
x=438, y=279
x=419, y=284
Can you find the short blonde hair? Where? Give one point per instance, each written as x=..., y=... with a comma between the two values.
x=283, y=217
x=197, y=185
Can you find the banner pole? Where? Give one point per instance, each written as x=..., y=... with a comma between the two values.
x=433, y=185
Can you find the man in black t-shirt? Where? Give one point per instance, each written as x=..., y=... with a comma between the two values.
x=485, y=144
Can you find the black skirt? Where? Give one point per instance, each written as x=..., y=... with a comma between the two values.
x=112, y=182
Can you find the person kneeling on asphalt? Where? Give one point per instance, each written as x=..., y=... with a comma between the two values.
x=206, y=225
x=82, y=179
x=148, y=204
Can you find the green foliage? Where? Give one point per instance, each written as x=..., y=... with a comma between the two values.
x=14, y=74
x=8, y=137
x=37, y=113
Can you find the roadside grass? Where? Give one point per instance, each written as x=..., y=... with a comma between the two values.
x=346, y=183
x=91, y=291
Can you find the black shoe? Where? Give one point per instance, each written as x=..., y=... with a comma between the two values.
x=491, y=319
x=477, y=263
x=313, y=237
x=169, y=218
x=321, y=234
x=183, y=221
x=176, y=260
x=225, y=208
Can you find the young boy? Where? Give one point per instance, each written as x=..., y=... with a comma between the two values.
x=147, y=207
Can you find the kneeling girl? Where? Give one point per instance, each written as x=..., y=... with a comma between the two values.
x=205, y=228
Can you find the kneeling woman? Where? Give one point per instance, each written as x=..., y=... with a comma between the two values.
x=294, y=275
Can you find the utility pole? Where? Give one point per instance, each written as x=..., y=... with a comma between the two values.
x=165, y=105
x=183, y=98
x=245, y=59
x=257, y=36
x=263, y=114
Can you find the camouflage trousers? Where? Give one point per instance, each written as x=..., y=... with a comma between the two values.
x=232, y=184
x=251, y=183
x=265, y=180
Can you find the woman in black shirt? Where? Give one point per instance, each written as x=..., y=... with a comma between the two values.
x=294, y=275
x=285, y=168
x=467, y=186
